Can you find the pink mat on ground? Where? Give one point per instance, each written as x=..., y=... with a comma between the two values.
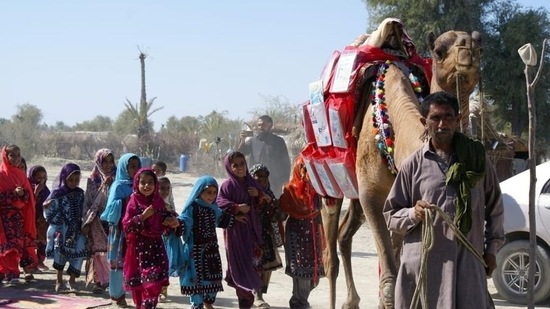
x=32, y=299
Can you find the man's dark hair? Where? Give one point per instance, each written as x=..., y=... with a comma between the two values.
x=441, y=98
x=266, y=118
x=161, y=164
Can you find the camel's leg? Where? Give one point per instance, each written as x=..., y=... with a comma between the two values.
x=373, y=204
x=330, y=213
x=352, y=221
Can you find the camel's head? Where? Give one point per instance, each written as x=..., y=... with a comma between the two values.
x=456, y=52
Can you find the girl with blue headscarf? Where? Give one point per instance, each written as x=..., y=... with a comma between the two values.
x=119, y=194
x=201, y=272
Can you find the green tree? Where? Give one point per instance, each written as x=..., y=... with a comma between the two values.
x=185, y=125
x=61, y=126
x=285, y=114
x=125, y=124
x=217, y=126
x=179, y=136
x=98, y=124
x=5, y=131
x=25, y=128
x=510, y=27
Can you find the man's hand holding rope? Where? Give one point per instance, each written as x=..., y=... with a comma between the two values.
x=420, y=209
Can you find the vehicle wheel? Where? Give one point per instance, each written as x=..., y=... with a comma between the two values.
x=510, y=276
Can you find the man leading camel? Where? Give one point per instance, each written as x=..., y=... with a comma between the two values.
x=452, y=172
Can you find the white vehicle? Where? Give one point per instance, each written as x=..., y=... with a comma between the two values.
x=511, y=275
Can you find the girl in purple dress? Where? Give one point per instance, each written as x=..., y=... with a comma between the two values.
x=243, y=243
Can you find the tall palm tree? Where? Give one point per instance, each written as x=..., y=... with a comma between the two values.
x=143, y=112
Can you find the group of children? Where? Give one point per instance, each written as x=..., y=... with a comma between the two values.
x=126, y=228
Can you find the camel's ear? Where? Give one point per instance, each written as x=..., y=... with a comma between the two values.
x=430, y=40
x=476, y=36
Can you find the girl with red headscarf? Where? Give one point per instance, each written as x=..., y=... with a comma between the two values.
x=303, y=235
x=145, y=221
x=17, y=226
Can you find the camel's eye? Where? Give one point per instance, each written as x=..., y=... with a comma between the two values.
x=439, y=53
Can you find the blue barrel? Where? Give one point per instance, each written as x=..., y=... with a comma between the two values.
x=184, y=163
x=146, y=162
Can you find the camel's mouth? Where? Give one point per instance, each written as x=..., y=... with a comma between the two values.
x=467, y=56
x=468, y=79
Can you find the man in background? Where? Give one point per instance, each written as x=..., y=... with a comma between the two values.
x=268, y=149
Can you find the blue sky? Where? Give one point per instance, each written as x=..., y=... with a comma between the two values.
x=78, y=59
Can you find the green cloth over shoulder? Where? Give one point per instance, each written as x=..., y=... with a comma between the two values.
x=465, y=174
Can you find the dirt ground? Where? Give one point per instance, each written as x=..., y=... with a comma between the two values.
x=364, y=261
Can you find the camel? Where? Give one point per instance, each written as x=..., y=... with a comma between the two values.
x=456, y=56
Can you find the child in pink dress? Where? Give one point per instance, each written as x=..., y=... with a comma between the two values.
x=145, y=221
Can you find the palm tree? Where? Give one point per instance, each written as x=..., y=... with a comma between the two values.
x=143, y=112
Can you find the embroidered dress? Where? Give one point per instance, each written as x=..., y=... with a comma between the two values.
x=145, y=260
x=17, y=215
x=269, y=217
x=97, y=193
x=95, y=199
x=202, y=273
x=65, y=241
x=303, y=235
x=303, y=231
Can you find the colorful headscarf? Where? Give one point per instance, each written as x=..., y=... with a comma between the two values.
x=120, y=190
x=12, y=177
x=140, y=202
x=98, y=175
x=298, y=199
x=60, y=183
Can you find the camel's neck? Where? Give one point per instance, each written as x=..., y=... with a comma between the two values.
x=403, y=110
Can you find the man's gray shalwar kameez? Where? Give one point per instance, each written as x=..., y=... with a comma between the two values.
x=456, y=279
